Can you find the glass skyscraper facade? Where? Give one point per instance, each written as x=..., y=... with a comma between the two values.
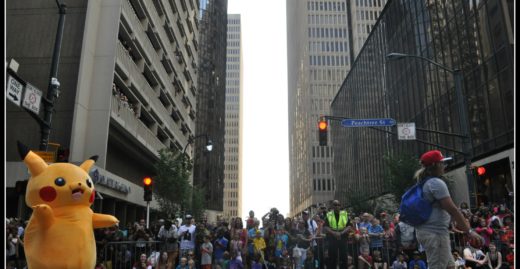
x=473, y=36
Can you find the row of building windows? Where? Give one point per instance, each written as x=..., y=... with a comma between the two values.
x=230, y=176
x=233, y=44
x=328, y=75
x=232, y=98
x=328, y=89
x=369, y=3
x=234, y=21
x=327, y=32
x=232, y=194
x=321, y=151
x=232, y=185
x=232, y=59
x=231, y=167
x=326, y=19
x=327, y=46
x=232, y=107
x=326, y=6
x=325, y=168
x=233, y=66
x=232, y=203
x=233, y=28
x=328, y=60
x=231, y=36
x=231, y=132
x=232, y=91
x=366, y=15
x=319, y=185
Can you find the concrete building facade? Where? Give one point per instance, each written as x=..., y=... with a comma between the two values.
x=233, y=136
x=128, y=72
x=320, y=41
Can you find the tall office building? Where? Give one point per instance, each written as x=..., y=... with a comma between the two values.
x=208, y=169
x=233, y=136
x=476, y=37
x=320, y=37
x=128, y=84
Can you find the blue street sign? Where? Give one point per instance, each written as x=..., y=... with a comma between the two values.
x=367, y=122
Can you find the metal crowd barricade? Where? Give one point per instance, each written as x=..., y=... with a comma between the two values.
x=123, y=254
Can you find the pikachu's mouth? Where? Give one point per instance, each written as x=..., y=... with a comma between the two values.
x=77, y=193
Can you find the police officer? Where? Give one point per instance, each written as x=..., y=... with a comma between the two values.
x=336, y=228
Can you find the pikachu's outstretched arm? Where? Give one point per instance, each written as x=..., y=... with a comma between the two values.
x=103, y=220
x=44, y=215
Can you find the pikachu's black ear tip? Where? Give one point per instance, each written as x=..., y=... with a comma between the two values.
x=23, y=150
x=94, y=158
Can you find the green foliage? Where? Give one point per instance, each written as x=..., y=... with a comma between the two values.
x=399, y=172
x=198, y=202
x=172, y=184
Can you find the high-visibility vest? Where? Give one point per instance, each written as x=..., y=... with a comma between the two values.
x=341, y=223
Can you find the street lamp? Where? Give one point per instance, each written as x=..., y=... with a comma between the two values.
x=463, y=115
x=209, y=144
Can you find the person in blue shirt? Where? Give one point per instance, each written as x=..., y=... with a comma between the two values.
x=220, y=245
x=376, y=233
x=416, y=261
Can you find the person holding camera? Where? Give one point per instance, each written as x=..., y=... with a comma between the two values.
x=168, y=235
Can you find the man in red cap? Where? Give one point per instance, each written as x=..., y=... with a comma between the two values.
x=433, y=235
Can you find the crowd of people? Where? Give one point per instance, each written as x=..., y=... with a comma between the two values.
x=378, y=241
x=123, y=100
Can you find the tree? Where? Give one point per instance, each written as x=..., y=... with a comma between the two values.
x=198, y=202
x=172, y=183
x=399, y=172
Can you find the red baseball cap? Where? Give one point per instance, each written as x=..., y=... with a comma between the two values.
x=433, y=156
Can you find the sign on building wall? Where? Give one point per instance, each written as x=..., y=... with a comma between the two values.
x=406, y=131
x=14, y=90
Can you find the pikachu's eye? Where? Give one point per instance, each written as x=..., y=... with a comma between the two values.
x=89, y=183
x=59, y=181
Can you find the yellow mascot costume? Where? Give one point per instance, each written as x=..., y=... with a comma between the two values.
x=60, y=233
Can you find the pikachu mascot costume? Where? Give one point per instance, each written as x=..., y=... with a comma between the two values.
x=60, y=233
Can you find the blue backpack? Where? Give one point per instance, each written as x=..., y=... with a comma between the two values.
x=415, y=209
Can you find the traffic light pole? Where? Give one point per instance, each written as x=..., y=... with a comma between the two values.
x=147, y=214
x=53, y=89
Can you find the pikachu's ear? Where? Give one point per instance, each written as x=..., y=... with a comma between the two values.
x=34, y=162
x=88, y=163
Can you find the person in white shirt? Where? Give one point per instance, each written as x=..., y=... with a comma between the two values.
x=186, y=235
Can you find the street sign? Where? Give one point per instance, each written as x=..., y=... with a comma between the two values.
x=406, y=131
x=14, y=90
x=32, y=98
x=367, y=122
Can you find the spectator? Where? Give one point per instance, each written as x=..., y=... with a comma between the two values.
x=494, y=257
x=485, y=232
x=376, y=233
x=259, y=246
x=142, y=263
x=365, y=260
x=310, y=262
x=417, y=261
x=365, y=220
x=235, y=262
x=187, y=234
x=399, y=263
x=474, y=256
x=168, y=235
x=250, y=222
x=164, y=261
x=183, y=263
x=389, y=242
x=220, y=245
x=379, y=262
x=459, y=261
x=350, y=262
x=191, y=264
x=206, y=253
x=141, y=236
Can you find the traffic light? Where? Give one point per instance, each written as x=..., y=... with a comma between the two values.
x=322, y=132
x=481, y=170
x=148, y=187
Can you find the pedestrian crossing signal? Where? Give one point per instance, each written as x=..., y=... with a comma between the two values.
x=322, y=132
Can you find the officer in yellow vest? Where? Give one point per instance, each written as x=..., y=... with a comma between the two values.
x=337, y=227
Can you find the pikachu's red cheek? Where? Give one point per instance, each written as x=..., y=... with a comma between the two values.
x=91, y=200
x=48, y=194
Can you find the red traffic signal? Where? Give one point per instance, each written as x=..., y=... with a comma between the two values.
x=322, y=125
x=147, y=181
x=481, y=170
x=322, y=132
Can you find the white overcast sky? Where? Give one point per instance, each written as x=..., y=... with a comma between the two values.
x=265, y=160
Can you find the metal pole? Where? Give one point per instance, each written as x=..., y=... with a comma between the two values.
x=466, y=144
x=147, y=214
x=52, y=90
